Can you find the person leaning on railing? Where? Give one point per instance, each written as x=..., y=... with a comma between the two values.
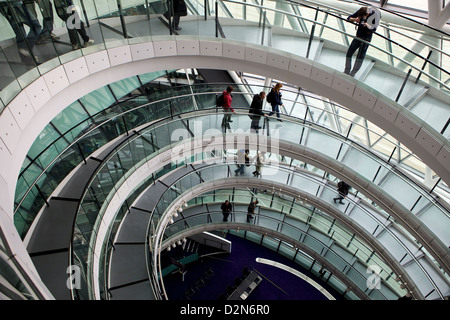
x=367, y=20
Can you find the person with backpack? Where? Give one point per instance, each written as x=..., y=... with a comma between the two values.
x=274, y=98
x=224, y=101
x=343, y=189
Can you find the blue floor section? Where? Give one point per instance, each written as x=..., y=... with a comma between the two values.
x=277, y=284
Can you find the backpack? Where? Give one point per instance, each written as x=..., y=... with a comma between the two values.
x=269, y=96
x=343, y=187
x=220, y=101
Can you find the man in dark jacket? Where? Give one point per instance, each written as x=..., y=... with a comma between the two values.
x=343, y=189
x=364, y=31
x=226, y=210
x=251, y=210
x=255, y=111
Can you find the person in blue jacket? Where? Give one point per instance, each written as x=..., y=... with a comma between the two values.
x=367, y=20
x=274, y=98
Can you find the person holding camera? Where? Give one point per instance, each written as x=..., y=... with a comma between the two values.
x=367, y=20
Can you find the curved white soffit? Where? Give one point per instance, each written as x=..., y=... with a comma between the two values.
x=28, y=114
x=297, y=273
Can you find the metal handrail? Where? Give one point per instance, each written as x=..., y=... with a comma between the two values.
x=155, y=250
x=353, y=36
x=105, y=160
x=95, y=128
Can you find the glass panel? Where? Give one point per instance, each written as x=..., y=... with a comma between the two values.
x=123, y=87
x=70, y=117
x=97, y=100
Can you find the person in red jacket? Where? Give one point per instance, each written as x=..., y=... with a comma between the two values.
x=227, y=99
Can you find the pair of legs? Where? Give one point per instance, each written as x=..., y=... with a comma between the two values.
x=362, y=49
x=257, y=172
x=340, y=198
x=19, y=15
x=176, y=22
x=74, y=40
x=175, y=19
x=45, y=7
x=275, y=109
x=226, y=119
x=225, y=216
x=255, y=122
x=240, y=169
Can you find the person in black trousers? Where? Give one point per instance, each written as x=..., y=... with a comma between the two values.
x=179, y=10
x=343, y=189
x=255, y=111
x=226, y=210
x=69, y=13
x=251, y=210
x=364, y=31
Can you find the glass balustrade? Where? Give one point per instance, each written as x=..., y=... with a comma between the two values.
x=282, y=215
x=18, y=288
x=111, y=24
x=400, y=42
x=215, y=173
x=110, y=21
x=44, y=170
x=148, y=141
x=369, y=167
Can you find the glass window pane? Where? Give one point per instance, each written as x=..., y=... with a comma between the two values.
x=69, y=117
x=97, y=100
x=123, y=87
